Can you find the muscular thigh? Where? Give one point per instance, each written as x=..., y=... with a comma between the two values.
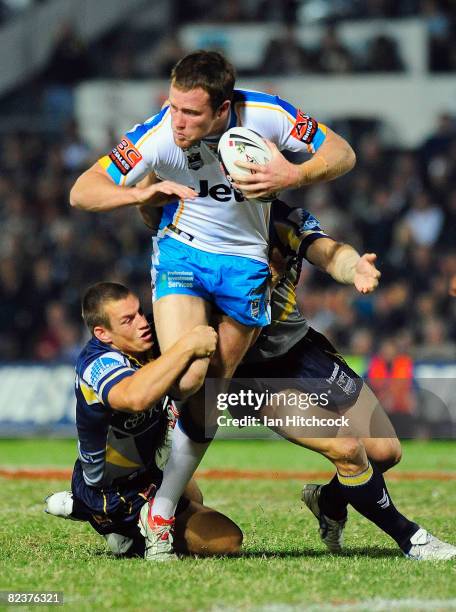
x=234, y=341
x=174, y=315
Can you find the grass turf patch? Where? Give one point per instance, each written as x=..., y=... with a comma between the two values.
x=283, y=563
x=236, y=454
x=283, y=560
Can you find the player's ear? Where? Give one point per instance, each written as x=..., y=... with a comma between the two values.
x=223, y=108
x=103, y=334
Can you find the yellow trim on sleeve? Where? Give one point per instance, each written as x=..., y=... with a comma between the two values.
x=114, y=375
x=269, y=107
x=147, y=135
x=105, y=162
x=89, y=394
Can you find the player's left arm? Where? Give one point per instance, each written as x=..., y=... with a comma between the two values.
x=345, y=264
x=332, y=156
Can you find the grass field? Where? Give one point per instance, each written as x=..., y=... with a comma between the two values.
x=284, y=566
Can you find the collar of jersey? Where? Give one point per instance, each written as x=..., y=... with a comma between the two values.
x=232, y=123
x=147, y=356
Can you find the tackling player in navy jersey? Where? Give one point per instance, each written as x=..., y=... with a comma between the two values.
x=124, y=421
x=289, y=348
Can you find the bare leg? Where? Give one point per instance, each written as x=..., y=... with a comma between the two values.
x=174, y=315
x=202, y=531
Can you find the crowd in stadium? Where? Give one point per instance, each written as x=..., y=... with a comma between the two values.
x=401, y=205
x=398, y=204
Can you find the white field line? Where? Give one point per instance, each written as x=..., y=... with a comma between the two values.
x=368, y=605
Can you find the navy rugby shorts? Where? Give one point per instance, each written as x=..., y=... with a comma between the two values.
x=315, y=367
x=114, y=509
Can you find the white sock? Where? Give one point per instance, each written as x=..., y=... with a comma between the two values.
x=184, y=458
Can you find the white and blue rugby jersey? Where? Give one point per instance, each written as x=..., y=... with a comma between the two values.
x=114, y=444
x=219, y=220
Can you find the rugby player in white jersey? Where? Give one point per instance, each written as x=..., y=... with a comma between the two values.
x=214, y=250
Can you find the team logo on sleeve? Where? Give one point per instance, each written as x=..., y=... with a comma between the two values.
x=125, y=156
x=101, y=366
x=304, y=128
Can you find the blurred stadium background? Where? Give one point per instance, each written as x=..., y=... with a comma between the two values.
x=74, y=75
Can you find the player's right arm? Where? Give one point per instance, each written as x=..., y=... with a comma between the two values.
x=95, y=191
x=114, y=181
x=150, y=383
x=151, y=212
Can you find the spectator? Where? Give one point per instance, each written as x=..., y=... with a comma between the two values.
x=333, y=56
x=434, y=345
x=423, y=223
x=390, y=375
x=383, y=55
x=69, y=62
x=285, y=55
x=439, y=32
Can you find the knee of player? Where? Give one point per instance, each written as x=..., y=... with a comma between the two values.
x=222, y=368
x=346, y=450
x=397, y=453
x=227, y=543
x=187, y=389
x=233, y=543
x=210, y=533
x=390, y=454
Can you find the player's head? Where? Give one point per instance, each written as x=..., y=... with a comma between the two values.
x=200, y=96
x=113, y=315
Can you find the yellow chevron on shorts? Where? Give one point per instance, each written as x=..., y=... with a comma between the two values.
x=357, y=479
x=115, y=458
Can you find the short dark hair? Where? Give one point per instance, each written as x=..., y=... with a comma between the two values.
x=208, y=70
x=94, y=300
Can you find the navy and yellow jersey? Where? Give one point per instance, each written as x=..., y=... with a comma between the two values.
x=291, y=231
x=114, y=444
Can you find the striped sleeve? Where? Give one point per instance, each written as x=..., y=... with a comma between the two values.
x=295, y=228
x=106, y=371
x=298, y=130
x=306, y=132
x=134, y=157
x=279, y=120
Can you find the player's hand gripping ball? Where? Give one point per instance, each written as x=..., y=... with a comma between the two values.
x=239, y=144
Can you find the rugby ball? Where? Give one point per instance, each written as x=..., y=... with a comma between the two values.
x=242, y=144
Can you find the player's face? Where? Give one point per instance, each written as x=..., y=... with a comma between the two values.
x=130, y=332
x=192, y=116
